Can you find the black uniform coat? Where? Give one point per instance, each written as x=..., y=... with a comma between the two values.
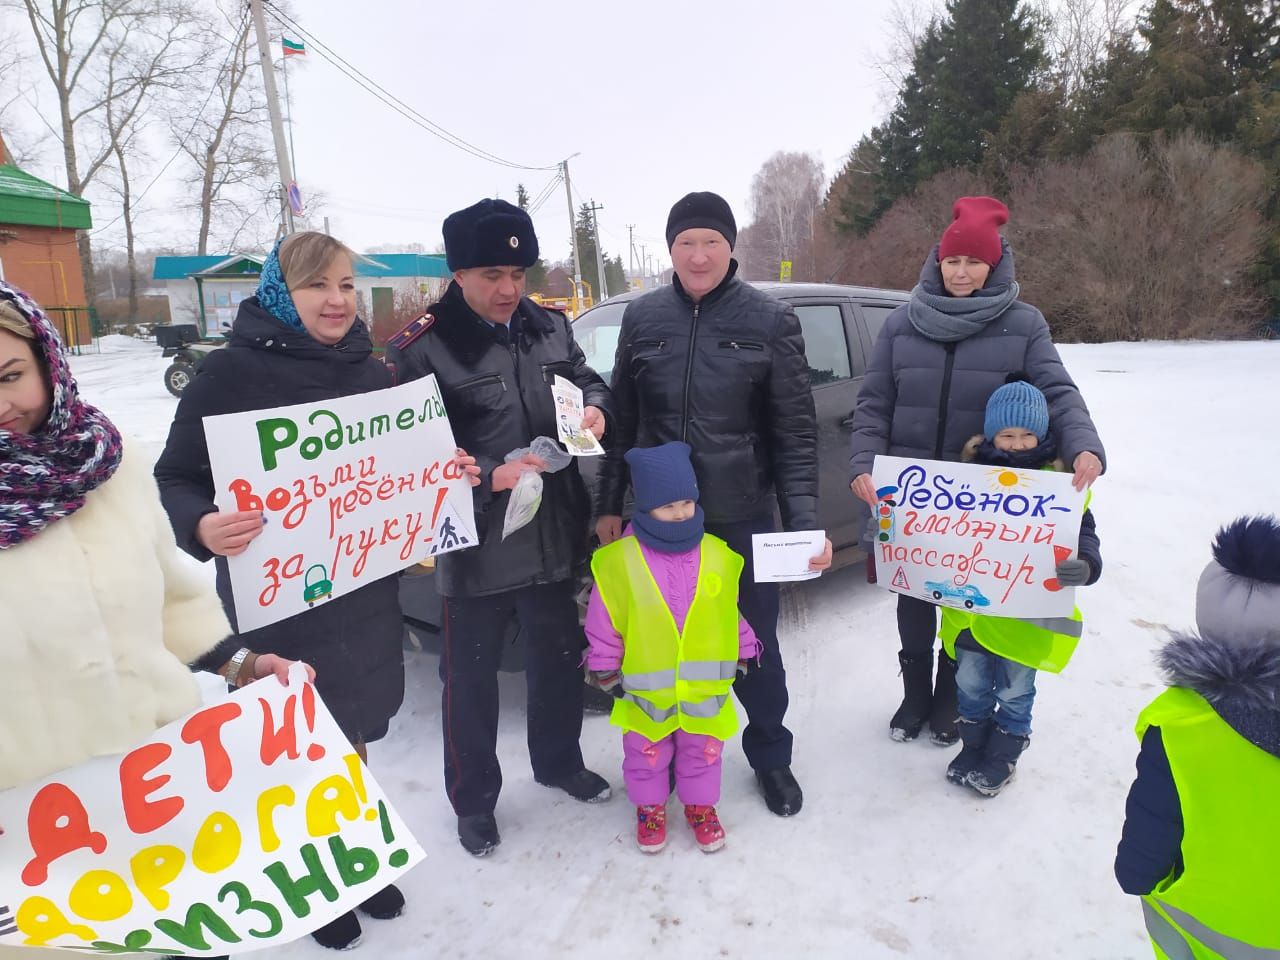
x=354, y=641
x=498, y=397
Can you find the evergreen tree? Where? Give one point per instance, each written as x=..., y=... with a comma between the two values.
x=851, y=199
x=967, y=71
x=1213, y=66
x=535, y=277
x=586, y=250
x=616, y=274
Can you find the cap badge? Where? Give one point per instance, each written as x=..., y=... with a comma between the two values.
x=515, y=242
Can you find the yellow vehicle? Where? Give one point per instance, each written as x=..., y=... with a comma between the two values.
x=571, y=306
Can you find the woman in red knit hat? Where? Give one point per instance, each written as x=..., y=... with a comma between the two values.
x=936, y=361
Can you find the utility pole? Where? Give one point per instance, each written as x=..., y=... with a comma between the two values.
x=573, y=232
x=273, y=107
x=644, y=273
x=595, y=229
x=631, y=251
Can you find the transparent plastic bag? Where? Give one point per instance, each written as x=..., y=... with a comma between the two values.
x=526, y=497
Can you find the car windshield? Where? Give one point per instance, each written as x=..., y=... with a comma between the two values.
x=597, y=334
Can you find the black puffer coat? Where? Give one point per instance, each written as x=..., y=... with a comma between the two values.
x=728, y=376
x=354, y=641
x=498, y=398
x=924, y=399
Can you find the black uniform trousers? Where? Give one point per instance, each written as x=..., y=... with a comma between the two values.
x=474, y=630
x=763, y=691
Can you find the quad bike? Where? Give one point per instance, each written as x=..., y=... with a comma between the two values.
x=183, y=343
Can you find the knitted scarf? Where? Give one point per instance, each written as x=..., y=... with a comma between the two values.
x=45, y=475
x=273, y=294
x=1044, y=452
x=668, y=536
x=942, y=317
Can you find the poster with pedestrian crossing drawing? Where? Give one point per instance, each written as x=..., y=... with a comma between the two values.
x=352, y=490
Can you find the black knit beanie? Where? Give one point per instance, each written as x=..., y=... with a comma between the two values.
x=702, y=209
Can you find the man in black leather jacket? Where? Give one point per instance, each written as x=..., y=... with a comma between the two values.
x=495, y=355
x=714, y=362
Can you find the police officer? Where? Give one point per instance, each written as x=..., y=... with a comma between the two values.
x=495, y=355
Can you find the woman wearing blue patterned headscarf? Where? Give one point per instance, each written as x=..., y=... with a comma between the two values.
x=298, y=340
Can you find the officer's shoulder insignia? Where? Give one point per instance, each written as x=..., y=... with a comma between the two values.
x=412, y=331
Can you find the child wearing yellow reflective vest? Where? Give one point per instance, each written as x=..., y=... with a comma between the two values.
x=997, y=657
x=666, y=639
x=1201, y=840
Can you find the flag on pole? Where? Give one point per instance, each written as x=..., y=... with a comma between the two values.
x=293, y=48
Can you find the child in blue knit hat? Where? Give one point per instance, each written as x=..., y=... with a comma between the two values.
x=666, y=639
x=997, y=657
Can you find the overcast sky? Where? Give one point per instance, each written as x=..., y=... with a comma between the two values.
x=657, y=99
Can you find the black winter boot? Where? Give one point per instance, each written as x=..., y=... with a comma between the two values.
x=340, y=934
x=944, y=713
x=386, y=904
x=916, y=696
x=974, y=735
x=994, y=772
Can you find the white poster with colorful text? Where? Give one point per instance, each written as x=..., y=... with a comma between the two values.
x=981, y=538
x=247, y=824
x=353, y=489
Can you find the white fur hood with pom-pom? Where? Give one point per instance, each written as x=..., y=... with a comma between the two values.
x=99, y=618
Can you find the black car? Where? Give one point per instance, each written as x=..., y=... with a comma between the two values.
x=840, y=323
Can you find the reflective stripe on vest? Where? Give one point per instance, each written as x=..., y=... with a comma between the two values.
x=705, y=709
x=654, y=680
x=673, y=679
x=709, y=670
x=1224, y=904
x=1167, y=933
x=1063, y=625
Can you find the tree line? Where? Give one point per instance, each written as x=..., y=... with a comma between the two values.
x=1140, y=159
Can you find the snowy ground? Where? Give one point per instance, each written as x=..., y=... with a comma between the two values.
x=886, y=859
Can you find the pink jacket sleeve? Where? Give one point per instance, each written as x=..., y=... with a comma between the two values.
x=604, y=643
x=748, y=643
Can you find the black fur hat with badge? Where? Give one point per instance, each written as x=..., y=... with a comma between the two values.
x=491, y=233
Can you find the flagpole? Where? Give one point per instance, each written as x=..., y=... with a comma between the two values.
x=273, y=107
x=288, y=110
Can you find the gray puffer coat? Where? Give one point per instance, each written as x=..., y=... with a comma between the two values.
x=922, y=398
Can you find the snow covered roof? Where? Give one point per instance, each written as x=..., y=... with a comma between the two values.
x=27, y=200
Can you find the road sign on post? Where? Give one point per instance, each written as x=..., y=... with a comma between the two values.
x=295, y=201
x=785, y=273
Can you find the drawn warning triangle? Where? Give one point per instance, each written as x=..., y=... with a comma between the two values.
x=900, y=580
x=450, y=532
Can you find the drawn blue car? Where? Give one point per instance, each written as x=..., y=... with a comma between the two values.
x=969, y=595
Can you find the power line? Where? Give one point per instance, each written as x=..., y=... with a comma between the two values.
x=546, y=193
x=353, y=73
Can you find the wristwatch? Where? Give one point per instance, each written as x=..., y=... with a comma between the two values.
x=234, y=665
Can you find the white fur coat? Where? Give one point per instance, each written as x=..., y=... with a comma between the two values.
x=98, y=619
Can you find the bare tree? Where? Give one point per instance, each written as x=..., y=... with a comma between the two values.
x=227, y=147
x=907, y=22
x=1080, y=32
x=148, y=53
x=20, y=144
x=1109, y=234
x=77, y=40
x=785, y=195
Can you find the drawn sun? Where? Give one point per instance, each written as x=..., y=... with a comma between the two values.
x=1008, y=479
